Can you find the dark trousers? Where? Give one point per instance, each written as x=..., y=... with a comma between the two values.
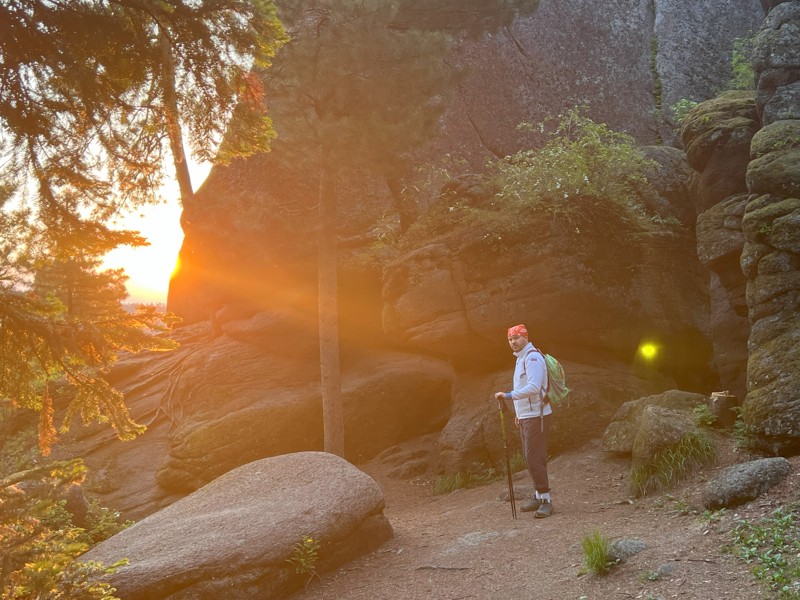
x=533, y=433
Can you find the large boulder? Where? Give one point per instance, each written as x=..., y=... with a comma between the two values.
x=234, y=537
x=638, y=420
x=717, y=135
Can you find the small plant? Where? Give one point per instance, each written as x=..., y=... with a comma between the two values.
x=672, y=464
x=742, y=433
x=712, y=516
x=702, y=415
x=772, y=546
x=597, y=553
x=479, y=475
x=304, y=557
x=650, y=576
x=449, y=482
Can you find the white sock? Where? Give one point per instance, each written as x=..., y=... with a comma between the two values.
x=544, y=497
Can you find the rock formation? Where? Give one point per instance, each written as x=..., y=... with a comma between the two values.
x=771, y=224
x=423, y=343
x=234, y=538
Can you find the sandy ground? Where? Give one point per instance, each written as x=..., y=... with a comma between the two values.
x=466, y=544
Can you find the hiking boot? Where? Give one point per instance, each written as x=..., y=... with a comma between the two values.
x=531, y=506
x=545, y=510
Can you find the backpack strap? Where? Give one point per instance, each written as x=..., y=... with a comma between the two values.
x=546, y=387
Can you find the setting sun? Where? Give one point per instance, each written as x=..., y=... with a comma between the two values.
x=149, y=268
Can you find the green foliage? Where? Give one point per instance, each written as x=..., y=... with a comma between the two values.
x=743, y=76
x=702, y=415
x=597, y=553
x=586, y=175
x=304, y=557
x=103, y=127
x=681, y=108
x=742, y=433
x=584, y=164
x=772, y=546
x=672, y=464
x=38, y=542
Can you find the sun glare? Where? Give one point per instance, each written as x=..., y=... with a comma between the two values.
x=149, y=268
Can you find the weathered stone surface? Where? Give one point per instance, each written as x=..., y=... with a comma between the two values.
x=574, y=289
x=271, y=405
x=717, y=135
x=719, y=246
x=671, y=180
x=215, y=404
x=777, y=173
x=777, y=136
x=744, y=482
x=626, y=427
x=776, y=66
x=232, y=538
x=532, y=70
x=771, y=255
x=659, y=428
x=719, y=232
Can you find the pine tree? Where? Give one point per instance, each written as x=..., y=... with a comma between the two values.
x=86, y=122
x=361, y=86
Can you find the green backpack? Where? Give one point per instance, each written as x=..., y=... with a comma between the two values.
x=556, y=387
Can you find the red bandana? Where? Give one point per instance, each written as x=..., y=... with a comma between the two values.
x=517, y=330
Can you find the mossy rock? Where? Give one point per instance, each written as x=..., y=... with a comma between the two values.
x=775, y=173
x=714, y=122
x=775, y=137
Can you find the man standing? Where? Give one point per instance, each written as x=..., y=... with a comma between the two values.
x=532, y=415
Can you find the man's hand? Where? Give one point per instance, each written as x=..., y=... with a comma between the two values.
x=516, y=422
x=500, y=397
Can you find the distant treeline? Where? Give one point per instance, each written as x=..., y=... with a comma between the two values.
x=131, y=306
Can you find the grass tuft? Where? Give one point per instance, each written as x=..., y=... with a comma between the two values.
x=597, y=553
x=670, y=465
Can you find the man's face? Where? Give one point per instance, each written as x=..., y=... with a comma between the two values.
x=517, y=342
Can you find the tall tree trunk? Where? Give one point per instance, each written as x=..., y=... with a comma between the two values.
x=327, y=290
x=171, y=115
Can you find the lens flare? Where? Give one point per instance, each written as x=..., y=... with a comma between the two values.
x=648, y=350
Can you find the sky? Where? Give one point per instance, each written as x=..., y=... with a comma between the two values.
x=150, y=267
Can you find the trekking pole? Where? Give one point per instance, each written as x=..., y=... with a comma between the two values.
x=508, y=461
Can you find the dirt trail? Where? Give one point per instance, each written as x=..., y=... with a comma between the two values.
x=465, y=545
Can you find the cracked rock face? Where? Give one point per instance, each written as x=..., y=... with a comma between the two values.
x=771, y=224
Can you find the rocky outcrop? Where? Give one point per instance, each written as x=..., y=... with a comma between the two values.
x=771, y=256
x=249, y=228
x=234, y=537
x=717, y=136
x=250, y=393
